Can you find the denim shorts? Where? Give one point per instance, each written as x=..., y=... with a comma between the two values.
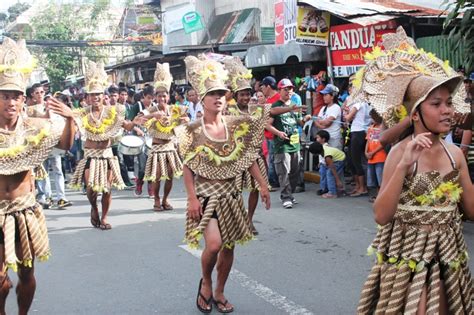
x=374, y=174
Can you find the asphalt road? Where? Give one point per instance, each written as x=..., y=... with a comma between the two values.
x=307, y=260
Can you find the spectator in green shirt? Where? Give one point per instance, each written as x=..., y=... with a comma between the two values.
x=285, y=118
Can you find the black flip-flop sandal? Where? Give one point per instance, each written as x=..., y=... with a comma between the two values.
x=95, y=221
x=105, y=226
x=223, y=310
x=207, y=301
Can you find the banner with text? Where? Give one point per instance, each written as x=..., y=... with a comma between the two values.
x=349, y=42
x=313, y=26
x=285, y=21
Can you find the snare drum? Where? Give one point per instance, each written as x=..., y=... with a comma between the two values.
x=131, y=145
x=149, y=144
x=56, y=151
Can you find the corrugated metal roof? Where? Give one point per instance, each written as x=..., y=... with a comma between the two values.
x=370, y=12
x=442, y=47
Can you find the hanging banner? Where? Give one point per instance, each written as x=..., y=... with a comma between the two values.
x=312, y=26
x=279, y=23
x=286, y=12
x=192, y=22
x=349, y=43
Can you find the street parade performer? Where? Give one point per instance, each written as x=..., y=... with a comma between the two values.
x=163, y=161
x=99, y=170
x=25, y=143
x=216, y=149
x=421, y=255
x=239, y=82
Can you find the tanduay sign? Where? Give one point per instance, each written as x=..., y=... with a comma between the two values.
x=349, y=42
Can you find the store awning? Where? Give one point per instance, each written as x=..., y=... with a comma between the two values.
x=366, y=13
x=269, y=55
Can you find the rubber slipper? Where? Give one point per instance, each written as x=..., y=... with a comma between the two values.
x=207, y=301
x=224, y=309
x=166, y=206
x=105, y=226
x=359, y=194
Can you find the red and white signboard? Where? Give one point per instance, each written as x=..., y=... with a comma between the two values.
x=349, y=42
x=286, y=12
x=279, y=22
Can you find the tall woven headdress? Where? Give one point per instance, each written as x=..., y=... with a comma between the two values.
x=163, y=77
x=95, y=77
x=205, y=75
x=239, y=75
x=397, y=79
x=16, y=65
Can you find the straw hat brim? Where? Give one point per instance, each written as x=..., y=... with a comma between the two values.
x=243, y=88
x=216, y=88
x=452, y=83
x=11, y=87
x=95, y=91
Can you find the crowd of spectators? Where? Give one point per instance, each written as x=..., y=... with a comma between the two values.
x=343, y=137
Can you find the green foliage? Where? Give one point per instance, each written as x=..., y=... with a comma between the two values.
x=15, y=10
x=461, y=29
x=71, y=22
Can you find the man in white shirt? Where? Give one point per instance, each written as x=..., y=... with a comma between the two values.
x=195, y=109
x=329, y=118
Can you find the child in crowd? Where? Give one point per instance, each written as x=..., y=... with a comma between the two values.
x=375, y=154
x=332, y=170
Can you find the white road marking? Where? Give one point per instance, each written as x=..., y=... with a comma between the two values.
x=277, y=300
x=68, y=225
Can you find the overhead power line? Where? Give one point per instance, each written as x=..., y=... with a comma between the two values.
x=84, y=43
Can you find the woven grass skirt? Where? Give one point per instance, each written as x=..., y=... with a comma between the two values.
x=411, y=257
x=100, y=162
x=225, y=199
x=22, y=221
x=165, y=159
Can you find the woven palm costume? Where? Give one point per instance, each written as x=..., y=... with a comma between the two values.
x=216, y=163
x=239, y=80
x=423, y=244
x=22, y=220
x=102, y=164
x=163, y=157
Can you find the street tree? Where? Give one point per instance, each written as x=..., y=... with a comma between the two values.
x=461, y=30
x=71, y=23
x=15, y=10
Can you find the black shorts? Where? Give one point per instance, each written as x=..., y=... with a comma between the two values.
x=88, y=164
x=204, y=204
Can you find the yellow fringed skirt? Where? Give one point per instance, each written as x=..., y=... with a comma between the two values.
x=99, y=162
x=163, y=159
x=221, y=200
x=22, y=221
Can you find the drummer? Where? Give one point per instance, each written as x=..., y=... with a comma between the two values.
x=114, y=98
x=99, y=169
x=145, y=103
x=163, y=162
